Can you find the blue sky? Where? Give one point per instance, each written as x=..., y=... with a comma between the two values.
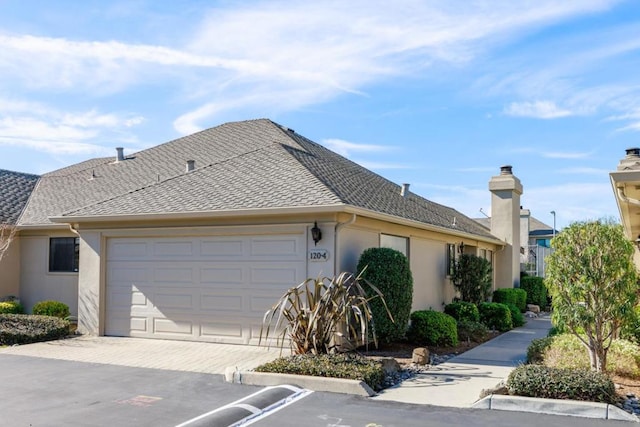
x=438, y=94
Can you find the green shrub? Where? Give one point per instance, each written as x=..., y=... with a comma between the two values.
x=51, y=308
x=553, y=383
x=472, y=331
x=345, y=365
x=631, y=328
x=463, y=311
x=430, y=327
x=388, y=270
x=567, y=351
x=25, y=329
x=536, y=290
x=11, y=307
x=495, y=316
x=537, y=349
x=472, y=278
x=515, y=296
x=517, y=319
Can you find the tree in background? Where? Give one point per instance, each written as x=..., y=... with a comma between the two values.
x=593, y=281
x=388, y=270
x=472, y=278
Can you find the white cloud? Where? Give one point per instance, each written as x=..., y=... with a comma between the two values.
x=345, y=148
x=585, y=171
x=565, y=155
x=537, y=110
x=39, y=127
x=282, y=55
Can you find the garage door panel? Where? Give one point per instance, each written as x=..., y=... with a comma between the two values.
x=223, y=248
x=214, y=289
x=173, y=249
x=173, y=326
x=221, y=303
x=173, y=301
x=223, y=275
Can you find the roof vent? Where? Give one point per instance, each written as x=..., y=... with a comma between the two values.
x=506, y=170
x=404, y=191
x=191, y=165
x=633, y=152
x=120, y=155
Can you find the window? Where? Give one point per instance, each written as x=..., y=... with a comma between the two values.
x=64, y=254
x=400, y=244
x=545, y=243
x=451, y=259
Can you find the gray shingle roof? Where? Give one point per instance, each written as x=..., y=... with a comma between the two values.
x=15, y=189
x=241, y=165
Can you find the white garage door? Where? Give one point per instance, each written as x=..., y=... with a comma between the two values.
x=199, y=288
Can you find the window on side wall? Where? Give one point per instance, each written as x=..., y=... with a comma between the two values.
x=64, y=254
x=399, y=243
x=451, y=258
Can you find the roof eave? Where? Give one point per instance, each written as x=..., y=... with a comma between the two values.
x=67, y=219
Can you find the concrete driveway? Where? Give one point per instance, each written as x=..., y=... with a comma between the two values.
x=209, y=358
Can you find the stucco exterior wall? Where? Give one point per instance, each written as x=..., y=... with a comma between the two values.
x=10, y=270
x=36, y=282
x=427, y=256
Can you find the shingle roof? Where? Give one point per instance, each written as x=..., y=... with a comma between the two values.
x=240, y=165
x=15, y=189
x=536, y=227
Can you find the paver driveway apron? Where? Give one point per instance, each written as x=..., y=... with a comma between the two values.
x=188, y=356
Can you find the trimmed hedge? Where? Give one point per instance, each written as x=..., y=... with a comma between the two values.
x=472, y=331
x=26, y=329
x=51, y=308
x=517, y=319
x=345, y=365
x=463, y=311
x=536, y=290
x=389, y=271
x=495, y=316
x=553, y=383
x=515, y=296
x=11, y=307
x=434, y=328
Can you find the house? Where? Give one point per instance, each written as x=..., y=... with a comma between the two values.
x=535, y=238
x=625, y=182
x=196, y=238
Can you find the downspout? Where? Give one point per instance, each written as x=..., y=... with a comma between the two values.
x=626, y=199
x=338, y=227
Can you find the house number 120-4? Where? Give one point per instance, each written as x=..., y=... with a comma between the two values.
x=318, y=255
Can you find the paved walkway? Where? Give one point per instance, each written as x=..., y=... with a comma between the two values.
x=459, y=381
x=210, y=358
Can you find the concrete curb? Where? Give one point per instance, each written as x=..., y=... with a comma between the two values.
x=333, y=385
x=572, y=408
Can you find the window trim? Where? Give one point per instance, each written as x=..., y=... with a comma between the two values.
x=451, y=258
x=75, y=262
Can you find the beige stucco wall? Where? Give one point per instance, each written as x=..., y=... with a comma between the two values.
x=10, y=270
x=427, y=256
x=36, y=282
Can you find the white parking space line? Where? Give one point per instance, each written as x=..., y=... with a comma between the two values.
x=255, y=412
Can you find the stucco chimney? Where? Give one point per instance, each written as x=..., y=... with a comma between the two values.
x=506, y=190
x=404, y=191
x=631, y=160
x=120, y=154
x=191, y=165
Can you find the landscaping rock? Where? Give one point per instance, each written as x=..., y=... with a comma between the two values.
x=420, y=356
x=533, y=308
x=530, y=314
x=390, y=365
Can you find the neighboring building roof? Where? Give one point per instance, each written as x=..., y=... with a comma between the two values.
x=536, y=227
x=15, y=189
x=242, y=165
x=539, y=228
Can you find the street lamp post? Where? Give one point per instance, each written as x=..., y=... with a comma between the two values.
x=554, y=222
